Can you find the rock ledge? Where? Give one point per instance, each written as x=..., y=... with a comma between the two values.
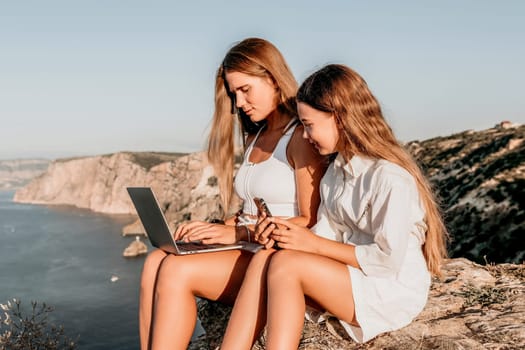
x=471, y=307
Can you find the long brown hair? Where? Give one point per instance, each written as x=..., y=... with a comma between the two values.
x=339, y=90
x=256, y=57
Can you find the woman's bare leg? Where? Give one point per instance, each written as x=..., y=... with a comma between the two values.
x=248, y=316
x=292, y=275
x=147, y=288
x=214, y=276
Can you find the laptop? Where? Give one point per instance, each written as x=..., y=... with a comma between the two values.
x=157, y=228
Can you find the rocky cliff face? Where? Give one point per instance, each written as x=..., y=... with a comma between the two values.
x=480, y=177
x=184, y=184
x=18, y=172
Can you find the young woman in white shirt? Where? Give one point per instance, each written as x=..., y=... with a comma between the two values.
x=379, y=237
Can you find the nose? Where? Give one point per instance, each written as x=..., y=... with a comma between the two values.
x=239, y=100
x=305, y=134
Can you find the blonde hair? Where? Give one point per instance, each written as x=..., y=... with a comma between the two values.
x=339, y=90
x=256, y=57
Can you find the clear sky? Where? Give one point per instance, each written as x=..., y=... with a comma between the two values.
x=100, y=76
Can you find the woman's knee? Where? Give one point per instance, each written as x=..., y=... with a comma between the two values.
x=174, y=272
x=151, y=267
x=261, y=259
x=284, y=264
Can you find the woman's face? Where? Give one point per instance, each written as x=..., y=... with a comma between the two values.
x=320, y=128
x=256, y=96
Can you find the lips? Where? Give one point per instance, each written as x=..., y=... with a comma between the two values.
x=316, y=145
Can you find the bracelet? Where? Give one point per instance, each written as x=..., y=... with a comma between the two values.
x=236, y=216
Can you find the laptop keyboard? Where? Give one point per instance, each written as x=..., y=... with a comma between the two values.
x=190, y=246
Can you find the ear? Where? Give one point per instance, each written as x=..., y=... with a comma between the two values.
x=270, y=80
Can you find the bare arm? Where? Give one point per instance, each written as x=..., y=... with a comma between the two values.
x=309, y=168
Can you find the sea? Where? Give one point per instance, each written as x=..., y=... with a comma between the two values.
x=71, y=259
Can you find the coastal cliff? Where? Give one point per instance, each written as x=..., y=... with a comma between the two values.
x=183, y=183
x=97, y=183
x=480, y=179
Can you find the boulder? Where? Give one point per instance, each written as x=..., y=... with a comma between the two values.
x=135, y=248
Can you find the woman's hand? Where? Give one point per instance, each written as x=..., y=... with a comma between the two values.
x=288, y=235
x=205, y=232
x=262, y=231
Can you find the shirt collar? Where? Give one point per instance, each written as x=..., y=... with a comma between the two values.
x=356, y=166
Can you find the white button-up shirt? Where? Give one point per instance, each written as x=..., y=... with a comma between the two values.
x=374, y=205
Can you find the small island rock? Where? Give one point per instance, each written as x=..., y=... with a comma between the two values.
x=135, y=248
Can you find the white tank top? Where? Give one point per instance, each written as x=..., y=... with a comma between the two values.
x=272, y=179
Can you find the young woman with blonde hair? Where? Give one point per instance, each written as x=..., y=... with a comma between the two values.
x=254, y=85
x=368, y=261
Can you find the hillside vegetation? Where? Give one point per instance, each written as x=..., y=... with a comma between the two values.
x=480, y=178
